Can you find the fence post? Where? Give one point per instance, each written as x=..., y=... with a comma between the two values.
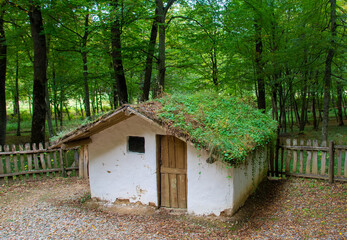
x=63, y=173
x=81, y=162
x=331, y=161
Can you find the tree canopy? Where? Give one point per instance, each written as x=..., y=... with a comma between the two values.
x=288, y=56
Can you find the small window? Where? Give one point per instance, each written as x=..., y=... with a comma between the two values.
x=136, y=144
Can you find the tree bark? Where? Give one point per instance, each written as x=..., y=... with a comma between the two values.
x=3, y=56
x=327, y=73
x=149, y=60
x=314, y=94
x=49, y=113
x=214, y=66
x=259, y=65
x=16, y=98
x=161, y=58
x=116, y=32
x=85, y=66
x=302, y=122
x=40, y=77
x=339, y=90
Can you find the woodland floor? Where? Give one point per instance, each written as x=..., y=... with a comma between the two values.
x=279, y=209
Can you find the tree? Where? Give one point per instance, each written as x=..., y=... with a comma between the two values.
x=327, y=73
x=3, y=56
x=258, y=59
x=116, y=32
x=149, y=58
x=162, y=11
x=40, y=77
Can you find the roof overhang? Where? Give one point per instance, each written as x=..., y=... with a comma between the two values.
x=81, y=136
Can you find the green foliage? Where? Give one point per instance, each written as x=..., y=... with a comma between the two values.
x=228, y=127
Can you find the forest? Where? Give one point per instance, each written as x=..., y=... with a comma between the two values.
x=66, y=59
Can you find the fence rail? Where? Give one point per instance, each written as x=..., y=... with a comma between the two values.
x=293, y=157
x=32, y=162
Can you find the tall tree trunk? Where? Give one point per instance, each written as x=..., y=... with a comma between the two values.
x=49, y=113
x=259, y=65
x=274, y=103
x=40, y=77
x=16, y=98
x=161, y=56
x=314, y=115
x=3, y=56
x=162, y=11
x=214, y=66
x=314, y=95
x=55, y=96
x=339, y=90
x=116, y=32
x=149, y=60
x=327, y=73
x=302, y=122
x=61, y=107
x=85, y=67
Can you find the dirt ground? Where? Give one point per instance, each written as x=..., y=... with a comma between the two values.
x=282, y=209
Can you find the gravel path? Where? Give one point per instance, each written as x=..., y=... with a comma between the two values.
x=54, y=209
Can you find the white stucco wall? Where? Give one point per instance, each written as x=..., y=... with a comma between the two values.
x=116, y=173
x=216, y=188
x=248, y=176
x=210, y=186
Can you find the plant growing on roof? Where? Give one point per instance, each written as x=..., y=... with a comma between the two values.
x=228, y=127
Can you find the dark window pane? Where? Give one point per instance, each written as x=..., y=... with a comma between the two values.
x=136, y=144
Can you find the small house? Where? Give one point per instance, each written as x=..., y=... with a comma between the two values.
x=204, y=153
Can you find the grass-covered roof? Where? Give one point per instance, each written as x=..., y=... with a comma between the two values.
x=227, y=127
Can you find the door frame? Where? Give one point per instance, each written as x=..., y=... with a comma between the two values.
x=158, y=152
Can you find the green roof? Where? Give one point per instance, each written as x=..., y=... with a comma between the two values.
x=228, y=127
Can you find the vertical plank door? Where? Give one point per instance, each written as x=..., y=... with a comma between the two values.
x=173, y=172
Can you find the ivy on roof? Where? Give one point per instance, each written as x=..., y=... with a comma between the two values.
x=227, y=127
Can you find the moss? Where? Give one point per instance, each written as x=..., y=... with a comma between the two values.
x=227, y=127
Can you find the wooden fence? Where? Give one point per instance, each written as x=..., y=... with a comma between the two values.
x=293, y=157
x=31, y=162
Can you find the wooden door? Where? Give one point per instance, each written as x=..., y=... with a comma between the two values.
x=173, y=172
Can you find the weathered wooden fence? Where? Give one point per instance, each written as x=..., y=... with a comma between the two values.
x=33, y=162
x=293, y=157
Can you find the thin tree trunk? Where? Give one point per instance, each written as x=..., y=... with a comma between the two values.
x=81, y=107
x=314, y=115
x=116, y=32
x=85, y=67
x=274, y=103
x=55, y=99
x=314, y=95
x=149, y=60
x=259, y=65
x=61, y=108
x=40, y=77
x=16, y=98
x=3, y=56
x=162, y=11
x=339, y=90
x=161, y=56
x=327, y=73
x=296, y=111
x=302, y=120
x=214, y=67
x=49, y=114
